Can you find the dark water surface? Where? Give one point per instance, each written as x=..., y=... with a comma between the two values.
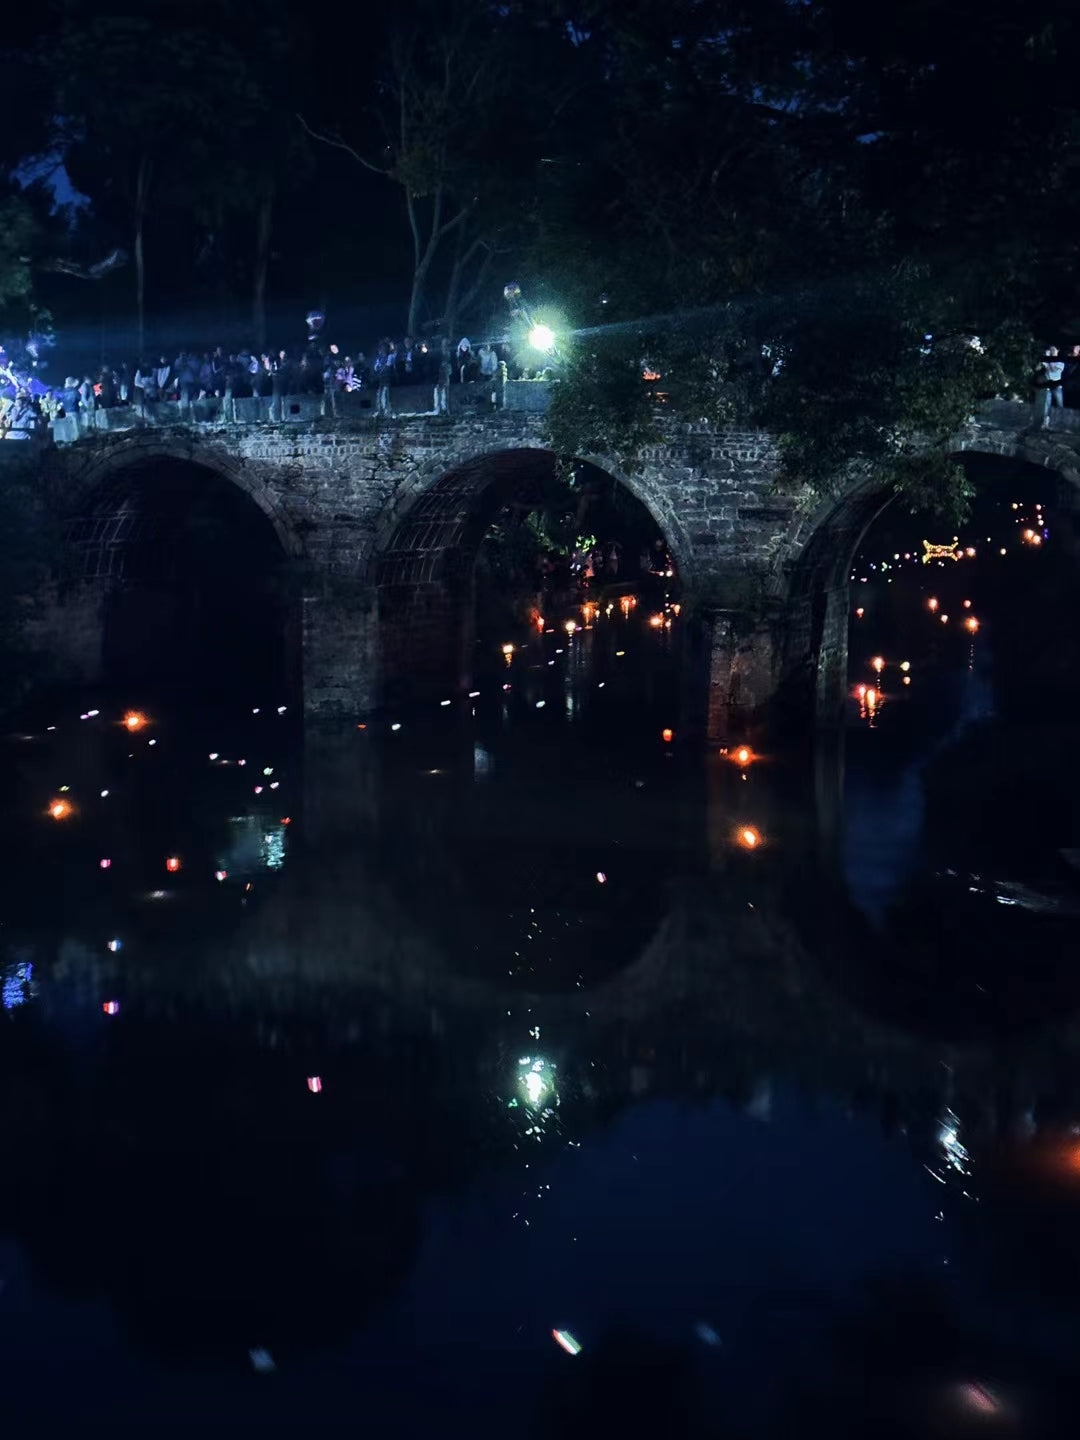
x=494, y=1026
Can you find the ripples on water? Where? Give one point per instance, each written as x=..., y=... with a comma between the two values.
x=374, y=1061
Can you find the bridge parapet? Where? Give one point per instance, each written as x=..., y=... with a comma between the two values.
x=347, y=412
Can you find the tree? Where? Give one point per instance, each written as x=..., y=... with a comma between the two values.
x=466, y=94
x=140, y=107
x=804, y=195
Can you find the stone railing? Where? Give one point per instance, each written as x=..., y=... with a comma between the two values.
x=475, y=398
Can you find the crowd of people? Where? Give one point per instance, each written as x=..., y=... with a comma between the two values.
x=27, y=402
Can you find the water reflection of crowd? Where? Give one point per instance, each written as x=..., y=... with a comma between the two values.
x=29, y=403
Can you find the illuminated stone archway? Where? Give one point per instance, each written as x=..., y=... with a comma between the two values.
x=425, y=552
x=814, y=587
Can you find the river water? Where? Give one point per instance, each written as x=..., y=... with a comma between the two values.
x=359, y=1081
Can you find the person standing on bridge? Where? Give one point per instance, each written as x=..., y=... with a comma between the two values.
x=1048, y=392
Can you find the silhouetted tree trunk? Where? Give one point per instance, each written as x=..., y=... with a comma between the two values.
x=142, y=195
x=263, y=228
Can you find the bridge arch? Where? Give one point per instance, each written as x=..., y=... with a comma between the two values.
x=109, y=464
x=814, y=585
x=426, y=544
x=174, y=565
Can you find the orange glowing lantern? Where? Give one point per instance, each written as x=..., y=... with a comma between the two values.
x=656, y=621
x=570, y=626
x=860, y=691
x=172, y=864
x=624, y=604
x=878, y=663
x=667, y=736
x=972, y=624
x=932, y=603
x=61, y=809
x=508, y=651
x=134, y=720
x=967, y=604
x=860, y=612
x=744, y=755
x=749, y=838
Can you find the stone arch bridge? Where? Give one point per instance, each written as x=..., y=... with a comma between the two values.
x=381, y=522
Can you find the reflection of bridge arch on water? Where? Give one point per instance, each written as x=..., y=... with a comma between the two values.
x=194, y=1109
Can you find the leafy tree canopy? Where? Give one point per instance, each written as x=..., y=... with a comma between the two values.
x=843, y=226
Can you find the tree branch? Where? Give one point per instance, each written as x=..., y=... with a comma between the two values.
x=336, y=143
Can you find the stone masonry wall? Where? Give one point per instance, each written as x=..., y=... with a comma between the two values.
x=335, y=491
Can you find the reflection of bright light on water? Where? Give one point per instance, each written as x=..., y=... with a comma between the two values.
x=536, y=1078
x=954, y=1153
x=17, y=984
x=273, y=849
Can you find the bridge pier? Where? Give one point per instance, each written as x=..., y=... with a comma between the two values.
x=737, y=662
x=339, y=652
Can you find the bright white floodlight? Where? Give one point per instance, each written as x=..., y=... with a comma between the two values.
x=542, y=337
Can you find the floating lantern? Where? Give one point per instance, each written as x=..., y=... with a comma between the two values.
x=749, y=838
x=907, y=679
x=932, y=603
x=567, y=1341
x=314, y=1084
x=860, y=691
x=944, y=619
x=940, y=552
x=111, y=1007
x=972, y=624
x=656, y=621
x=172, y=864
x=967, y=604
x=871, y=699
x=508, y=651
x=134, y=720
x=61, y=809
x=667, y=736
x=570, y=626
x=905, y=665
x=878, y=663
x=113, y=945
x=104, y=864
x=221, y=874
x=601, y=878
x=744, y=755
x=860, y=612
